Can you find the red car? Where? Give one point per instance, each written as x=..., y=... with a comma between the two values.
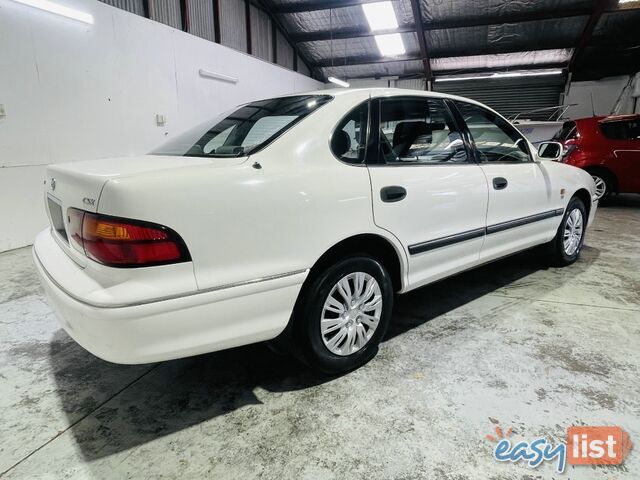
x=606, y=147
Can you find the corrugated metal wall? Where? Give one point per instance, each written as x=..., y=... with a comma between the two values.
x=233, y=27
x=412, y=83
x=201, y=19
x=285, y=52
x=167, y=12
x=261, y=43
x=133, y=6
x=510, y=96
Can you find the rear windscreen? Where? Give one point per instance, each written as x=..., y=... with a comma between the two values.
x=244, y=130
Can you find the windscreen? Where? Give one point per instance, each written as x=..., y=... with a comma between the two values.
x=245, y=129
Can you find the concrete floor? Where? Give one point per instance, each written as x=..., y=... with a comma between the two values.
x=513, y=343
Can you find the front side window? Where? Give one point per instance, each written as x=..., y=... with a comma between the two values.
x=418, y=131
x=245, y=129
x=349, y=139
x=496, y=139
x=621, y=130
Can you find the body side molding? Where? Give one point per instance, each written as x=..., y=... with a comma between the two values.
x=479, y=232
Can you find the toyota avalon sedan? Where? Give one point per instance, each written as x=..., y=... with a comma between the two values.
x=296, y=220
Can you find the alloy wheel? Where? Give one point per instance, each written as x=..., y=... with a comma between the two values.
x=601, y=186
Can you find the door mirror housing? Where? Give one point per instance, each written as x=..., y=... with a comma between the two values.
x=550, y=151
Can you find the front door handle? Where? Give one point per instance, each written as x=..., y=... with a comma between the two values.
x=500, y=183
x=392, y=194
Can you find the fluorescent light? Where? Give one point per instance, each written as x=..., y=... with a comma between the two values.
x=500, y=75
x=58, y=9
x=217, y=76
x=337, y=81
x=390, y=45
x=380, y=15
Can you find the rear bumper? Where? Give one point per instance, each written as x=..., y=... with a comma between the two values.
x=177, y=327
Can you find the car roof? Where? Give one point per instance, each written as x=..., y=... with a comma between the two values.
x=388, y=92
x=609, y=118
x=617, y=118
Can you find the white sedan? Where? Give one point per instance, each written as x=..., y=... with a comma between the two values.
x=296, y=220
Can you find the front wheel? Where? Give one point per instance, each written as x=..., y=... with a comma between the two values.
x=343, y=315
x=566, y=246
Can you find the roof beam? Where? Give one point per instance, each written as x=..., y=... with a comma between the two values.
x=518, y=17
x=422, y=41
x=601, y=7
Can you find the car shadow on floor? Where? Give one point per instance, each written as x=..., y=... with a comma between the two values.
x=624, y=200
x=113, y=408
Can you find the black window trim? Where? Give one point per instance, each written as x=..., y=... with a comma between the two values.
x=476, y=151
x=375, y=160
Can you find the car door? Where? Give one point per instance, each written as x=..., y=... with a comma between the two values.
x=427, y=190
x=624, y=137
x=521, y=211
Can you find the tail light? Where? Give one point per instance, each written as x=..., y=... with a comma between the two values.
x=121, y=242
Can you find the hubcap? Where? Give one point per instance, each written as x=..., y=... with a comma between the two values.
x=601, y=186
x=573, y=232
x=351, y=313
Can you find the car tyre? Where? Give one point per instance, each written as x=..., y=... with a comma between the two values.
x=342, y=315
x=566, y=246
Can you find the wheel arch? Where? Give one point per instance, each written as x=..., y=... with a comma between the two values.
x=373, y=244
x=584, y=195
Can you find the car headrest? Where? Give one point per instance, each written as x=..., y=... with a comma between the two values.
x=407, y=132
x=340, y=143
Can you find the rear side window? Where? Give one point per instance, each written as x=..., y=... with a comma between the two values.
x=418, y=130
x=349, y=140
x=624, y=130
x=567, y=132
x=495, y=139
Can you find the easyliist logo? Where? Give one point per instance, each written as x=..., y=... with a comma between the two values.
x=584, y=446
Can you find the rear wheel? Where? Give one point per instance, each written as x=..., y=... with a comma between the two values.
x=566, y=246
x=343, y=315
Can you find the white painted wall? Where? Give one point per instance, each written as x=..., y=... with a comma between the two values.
x=73, y=91
x=605, y=93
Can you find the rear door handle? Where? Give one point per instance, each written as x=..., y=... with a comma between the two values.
x=392, y=194
x=500, y=183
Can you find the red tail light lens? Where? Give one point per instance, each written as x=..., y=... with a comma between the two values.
x=121, y=242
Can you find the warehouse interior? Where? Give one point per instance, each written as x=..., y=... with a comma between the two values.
x=513, y=346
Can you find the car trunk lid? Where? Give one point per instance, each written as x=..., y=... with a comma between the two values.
x=79, y=185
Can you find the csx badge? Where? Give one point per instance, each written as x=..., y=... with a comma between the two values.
x=89, y=201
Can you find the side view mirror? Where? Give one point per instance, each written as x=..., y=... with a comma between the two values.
x=550, y=151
